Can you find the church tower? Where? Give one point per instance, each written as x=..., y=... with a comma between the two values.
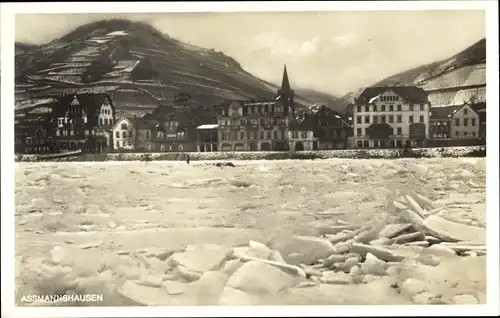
x=286, y=94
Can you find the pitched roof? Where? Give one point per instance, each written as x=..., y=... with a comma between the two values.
x=444, y=112
x=411, y=93
x=141, y=123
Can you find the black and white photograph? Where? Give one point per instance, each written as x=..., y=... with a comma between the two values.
x=250, y=154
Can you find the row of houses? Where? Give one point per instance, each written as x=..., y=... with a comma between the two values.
x=403, y=116
x=380, y=117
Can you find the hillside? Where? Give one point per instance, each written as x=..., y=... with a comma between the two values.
x=321, y=98
x=451, y=81
x=141, y=67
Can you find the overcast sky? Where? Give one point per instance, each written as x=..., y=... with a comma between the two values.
x=335, y=52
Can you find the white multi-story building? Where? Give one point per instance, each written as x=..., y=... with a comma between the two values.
x=385, y=117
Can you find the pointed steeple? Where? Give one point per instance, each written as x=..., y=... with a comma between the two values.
x=285, y=84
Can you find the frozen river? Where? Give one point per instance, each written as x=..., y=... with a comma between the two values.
x=137, y=205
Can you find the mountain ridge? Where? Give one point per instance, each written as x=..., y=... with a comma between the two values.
x=119, y=54
x=452, y=80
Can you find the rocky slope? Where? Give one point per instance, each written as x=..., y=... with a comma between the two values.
x=452, y=81
x=131, y=58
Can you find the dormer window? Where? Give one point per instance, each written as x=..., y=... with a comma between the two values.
x=124, y=126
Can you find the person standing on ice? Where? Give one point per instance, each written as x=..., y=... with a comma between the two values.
x=187, y=159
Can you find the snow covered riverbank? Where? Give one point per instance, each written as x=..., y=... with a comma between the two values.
x=453, y=152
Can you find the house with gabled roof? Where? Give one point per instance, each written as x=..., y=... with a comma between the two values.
x=391, y=116
x=455, y=122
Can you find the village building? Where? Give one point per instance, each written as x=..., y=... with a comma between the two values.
x=459, y=125
x=301, y=137
x=72, y=122
x=207, y=138
x=396, y=116
x=257, y=125
x=167, y=128
x=480, y=109
x=440, y=122
x=332, y=130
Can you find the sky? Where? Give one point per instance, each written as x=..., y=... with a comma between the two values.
x=335, y=52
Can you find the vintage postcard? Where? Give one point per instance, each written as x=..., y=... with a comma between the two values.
x=315, y=158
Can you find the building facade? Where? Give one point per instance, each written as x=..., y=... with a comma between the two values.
x=257, y=125
x=331, y=129
x=465, y=123
x=301, y=138
x=74, y=121
x=385, y=117
x=207, y=138
x=480, y=109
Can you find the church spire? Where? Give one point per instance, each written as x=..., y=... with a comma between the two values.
x=285, y=84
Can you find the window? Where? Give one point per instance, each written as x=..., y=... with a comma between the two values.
x=391, y=108
x=456, y=133
x=181, y=147
x=124, y=126
x=382, y=108
x=71, y=132
x=474, y=134
x=374, y=108
x=268, y=135
x=87, y=132
x=160, y=135
x=410, y=119
x=473, y=122
x=465, y=111
x=399, y=108
x=248, y=135
x=410, y=107
x=360, y=144
x=261, y=135
x=242, y=122
x=466, y=122
x=457, y=121
x=254, y=135
x=382, y=119
x=148, y=135
x=367, y=119
x=117, y=145
x=391, y=119
x=366, y=143
x=421, y=118
x=304, y=134
x=375, y=119
x=358, y=120
x=222, y=136
x=124, y=143
x=465, y=134
x=400, y=131
x=358, y=132
x=360, y=110
x=124, y=134
x=275, y=134
x=58, y=132
x=399, y=118
x=242, y=135
x=422, y=107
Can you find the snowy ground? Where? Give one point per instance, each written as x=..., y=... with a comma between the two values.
x=129, y=206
